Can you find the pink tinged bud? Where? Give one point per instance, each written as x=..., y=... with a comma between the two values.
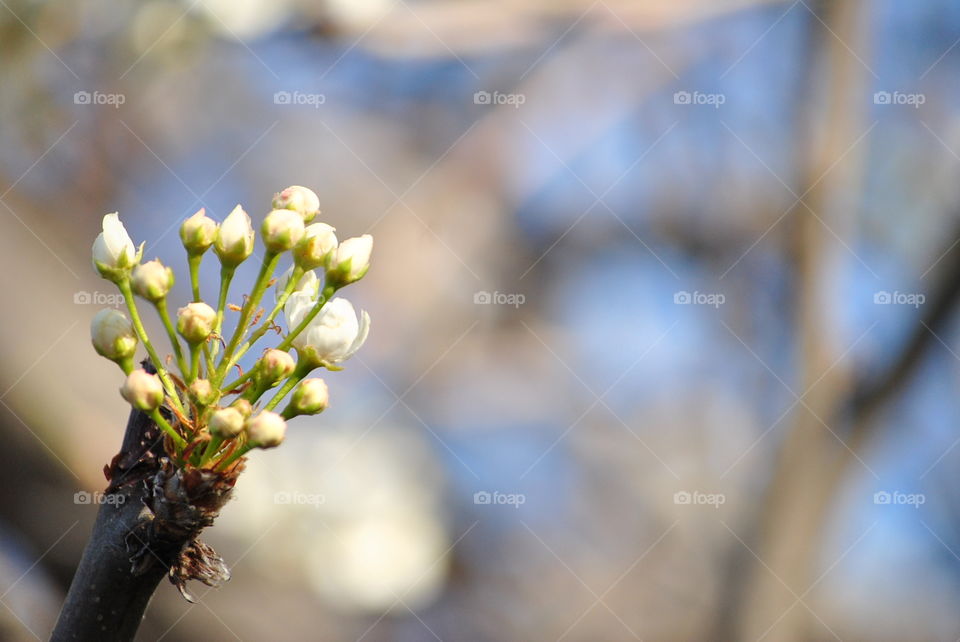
x=226, y=423
x=234, y=242
x=317, y=246
x=266, y=430
x=202, y=392
x=299, y=199
x=274, y=366
x=113, y=336
x=198, y=233
x=195, y=322
x=143, y=390
x=281, y=230
x=352, y=259
x=309, y=398
x=152, y=280
x=113, y=250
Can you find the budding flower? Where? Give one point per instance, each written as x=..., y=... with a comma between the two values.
x=226, y=423
x=299, y=199
x=334, y=335
x=352, y=260
x=113, y=250
x=152, y=280
x=316, y=247
x=113, y=336
x=195, y=322
x=308, y=398
x=243, y=406
x=198, y=233
x=266, y=430
x=143, y=390
x=202, y=392
x=308, y=283
x=235, y=238
x=281, y=230
x=274, y=366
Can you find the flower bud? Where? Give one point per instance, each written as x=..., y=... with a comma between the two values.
x=202, y=392
x=195, y=322
x=274, y=366
x=198, y=233
x=266, y=430
x=113, y=251
x=152, y=280
x=308, y=398
x=281, y=230
x=113, y=336
x=308, y=283
x=299, y=199
x=243, y=407
x=226, y=423
x=316, y=247
x=352, y=260
x=234, y=239
x=143, y=390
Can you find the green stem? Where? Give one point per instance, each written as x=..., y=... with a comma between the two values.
x=194, y=362
x=194, y=262
x=226, y=275
x=240, y=452
x=167, y=428
x=292, y=381
x=164, y=313
x=233, y=384
x=168, y=385
x=281, y=301
x=212, y=448
x=269, y=264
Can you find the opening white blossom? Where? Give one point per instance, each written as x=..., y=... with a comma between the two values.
x=113, y=248
x=332, y=336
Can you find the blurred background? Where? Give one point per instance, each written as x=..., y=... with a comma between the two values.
x=664, y=340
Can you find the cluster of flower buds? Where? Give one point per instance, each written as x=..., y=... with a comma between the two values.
x=211, y=422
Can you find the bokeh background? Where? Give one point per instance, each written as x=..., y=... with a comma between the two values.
x=664, y=340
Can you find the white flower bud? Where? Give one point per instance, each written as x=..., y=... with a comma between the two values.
x=352, y=260
x=333, y=335
x=308, y=398
x=243, y=406
x=195, y=322
x=152, y=280
x=113, y=335
x=202, y=392
x=226, y=423
x=266, y=430
x=198, y=233
x=274, y=366
x=316, y=247
x=235, y=238
x=281, y=230
x=308, y=283
x=299, y=199
x=143, y=390
x=113, y=250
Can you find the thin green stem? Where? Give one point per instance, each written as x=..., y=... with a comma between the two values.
x=168, y=385
x=226, y=275
x=281, y=301
x=292, y=381
x=194, y=262
x=164, y=313
x=194, y=362
x=240, y=452
x=269, y=264
x=236, y=382
x=167, y=428
x=211, y=450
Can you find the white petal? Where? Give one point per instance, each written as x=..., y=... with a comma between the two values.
x=361, y=335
